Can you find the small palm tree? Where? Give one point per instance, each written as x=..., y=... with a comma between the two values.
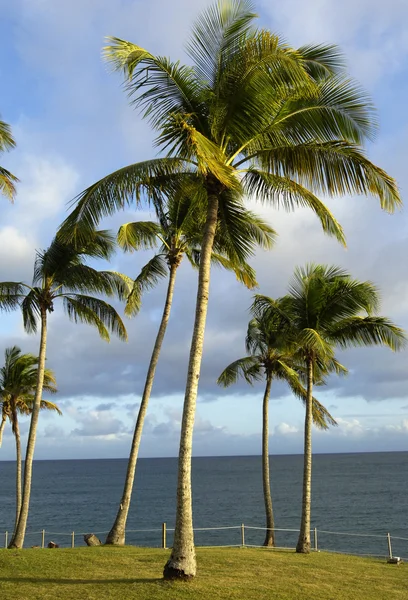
x=60, y=273
x=18, y=381
x=252, y=116
x=269, y=358
x=322, y=311
x=7, y=179
x=177, y=232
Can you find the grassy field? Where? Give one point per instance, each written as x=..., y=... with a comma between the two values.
x=249, y=574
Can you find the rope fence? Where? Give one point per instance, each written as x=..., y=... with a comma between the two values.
x=245, y=536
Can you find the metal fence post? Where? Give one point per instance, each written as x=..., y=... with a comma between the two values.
x=243, y=534
x=6, y=539
x=164, y=531
x=73, y=539
x=315, y=539
x=43, y=538
x=389, y=545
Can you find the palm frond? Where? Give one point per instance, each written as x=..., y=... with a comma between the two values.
x=139, y=235
x=332, y=168
x=248, y=367
x=216, y=34
x=322, y=60
x=8, y=184
x=11, y=294
x=170, y=88
x=118, y=190
x=285, y=192
x=244, y=273
x=148, y=278
x=368, y=331
x=84, y=279
x=97, y=313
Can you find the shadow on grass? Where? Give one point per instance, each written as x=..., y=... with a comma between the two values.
x=82, y=581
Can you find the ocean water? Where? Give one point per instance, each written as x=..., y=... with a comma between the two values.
x=364, y=494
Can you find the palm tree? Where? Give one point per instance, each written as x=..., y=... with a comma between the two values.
x=7, y=179
x=252, y=116
x=322, y=311
x=60, y=273
x=18, y=380
x=177, y=230
x=269, y=358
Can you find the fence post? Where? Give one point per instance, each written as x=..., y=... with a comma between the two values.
x=164, y=530
x=389, y=545
x=43, y=538
x=6, y=539
x=73, y=539
x=242, y=535
x=315, y=539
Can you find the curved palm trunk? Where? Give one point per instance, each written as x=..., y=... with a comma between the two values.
x=303, y=544
x=2, y=425
x=16, y=431
x=270, y=523
x=18, y=538
x=182, y=562
x=117, y=533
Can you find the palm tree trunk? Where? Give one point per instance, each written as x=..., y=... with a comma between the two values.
x=18, y=538
x=182, y=562
x=16, y=431
x=303, y=544
x=270, y=524
x=2, y=424
x=117, y=533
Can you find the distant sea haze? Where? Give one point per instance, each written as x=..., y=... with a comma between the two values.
x=355, y=493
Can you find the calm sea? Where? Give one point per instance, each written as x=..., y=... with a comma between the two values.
x=356, y=493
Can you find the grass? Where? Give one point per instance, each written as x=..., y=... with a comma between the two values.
x=244, y=573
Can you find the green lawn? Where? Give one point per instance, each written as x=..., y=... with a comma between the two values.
x=250, y=574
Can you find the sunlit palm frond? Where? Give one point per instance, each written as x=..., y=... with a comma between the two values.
x=165, y=87
x=140, y=235
x=8, y=183
x=283, y=191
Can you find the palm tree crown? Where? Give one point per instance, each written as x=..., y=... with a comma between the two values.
x=325, y=309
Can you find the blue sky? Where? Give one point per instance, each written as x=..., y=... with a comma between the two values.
x=73, y=124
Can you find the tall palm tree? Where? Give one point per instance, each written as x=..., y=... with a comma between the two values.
x=325, y=309
x=7, y=179
x=18, y=380
x=177, y=231
x=252, y=116
x=269, y=358
x=61, y=273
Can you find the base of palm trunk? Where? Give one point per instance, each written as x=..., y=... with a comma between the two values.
x=269, y=540
x=303, y=547
x=173, y=570
x=115, y=538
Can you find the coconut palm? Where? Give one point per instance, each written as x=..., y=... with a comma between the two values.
x=61, y=273
x=269, y=358
x=7, y=179
x=252, y=116
x=18, y=380
x=324, y=310
x=177, y=232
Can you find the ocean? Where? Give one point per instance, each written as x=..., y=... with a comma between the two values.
x=364, y=494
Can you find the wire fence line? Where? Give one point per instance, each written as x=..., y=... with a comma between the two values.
x=381, y=545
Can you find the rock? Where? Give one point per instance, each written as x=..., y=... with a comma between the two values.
x=52, y=545
x=90, y=539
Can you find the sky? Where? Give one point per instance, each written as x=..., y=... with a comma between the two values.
x=73, y=124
